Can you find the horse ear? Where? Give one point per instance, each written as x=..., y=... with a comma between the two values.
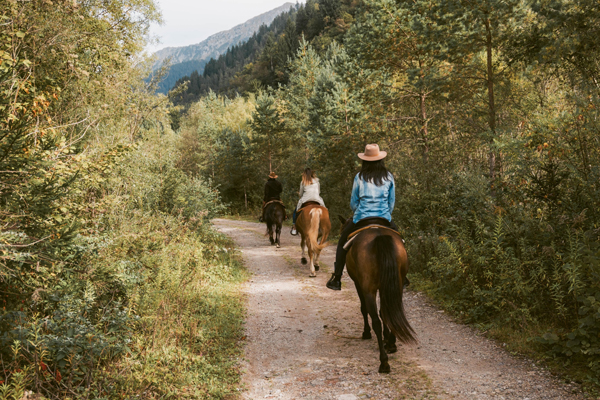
x=342, y=219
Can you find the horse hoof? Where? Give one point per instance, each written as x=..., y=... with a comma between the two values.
x=391, y=349
x=317, y=267
x=366, y=335
x=384, y=368
x=312, y=275
x=278, y=246
x=303, y=260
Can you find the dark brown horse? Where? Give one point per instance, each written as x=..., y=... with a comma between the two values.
x=313, y=222
x=274, y=216
x=377, y=261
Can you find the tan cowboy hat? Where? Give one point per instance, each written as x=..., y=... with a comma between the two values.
x=372, y=153
x=273, y=175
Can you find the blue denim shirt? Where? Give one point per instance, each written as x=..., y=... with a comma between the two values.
x=369, y=200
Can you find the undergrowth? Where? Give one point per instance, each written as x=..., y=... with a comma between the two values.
x=526, y=274
x=148, y=304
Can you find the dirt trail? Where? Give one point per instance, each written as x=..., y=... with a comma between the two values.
x=302, y=340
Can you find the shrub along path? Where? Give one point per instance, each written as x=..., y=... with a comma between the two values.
x=300, y=340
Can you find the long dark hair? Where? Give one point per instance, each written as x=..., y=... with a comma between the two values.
x=374, y=172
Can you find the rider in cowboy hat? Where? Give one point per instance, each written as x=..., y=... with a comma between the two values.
x=373, y=196
x=273, y=191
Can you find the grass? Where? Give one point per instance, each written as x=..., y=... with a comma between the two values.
x=187, y=343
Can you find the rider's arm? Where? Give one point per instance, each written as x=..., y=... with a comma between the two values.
x=301, y=191
x=392, y=196
x=355, y=199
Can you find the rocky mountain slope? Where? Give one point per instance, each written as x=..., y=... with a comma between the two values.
x=218, y=43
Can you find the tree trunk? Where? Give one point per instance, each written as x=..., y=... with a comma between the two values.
x=270, y=159
x=424, y=130
x=491, y=103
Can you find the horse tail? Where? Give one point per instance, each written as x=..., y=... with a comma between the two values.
x=390, y=290
x=313, y=232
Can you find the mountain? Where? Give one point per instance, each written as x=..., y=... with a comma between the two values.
x=226, y=74
x=186, y=59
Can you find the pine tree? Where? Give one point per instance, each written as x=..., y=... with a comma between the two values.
x=471, y=37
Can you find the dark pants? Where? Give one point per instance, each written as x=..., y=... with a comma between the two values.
x=340, y=253
x=294, y=216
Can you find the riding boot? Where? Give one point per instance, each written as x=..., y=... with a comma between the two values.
x=335, y=282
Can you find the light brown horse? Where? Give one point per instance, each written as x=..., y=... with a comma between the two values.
x=377, y=261
x=312, y=222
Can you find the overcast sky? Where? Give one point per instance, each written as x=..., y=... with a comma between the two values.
x=188, y=22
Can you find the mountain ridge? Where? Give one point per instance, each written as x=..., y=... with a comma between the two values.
x=217, y=44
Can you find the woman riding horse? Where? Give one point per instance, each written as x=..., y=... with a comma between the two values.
x=373, y=198
x=310, y=190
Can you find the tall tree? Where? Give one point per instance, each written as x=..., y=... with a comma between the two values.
x=471, y=36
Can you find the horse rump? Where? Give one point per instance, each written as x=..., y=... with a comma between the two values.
x=274, y=214
x=390, y=290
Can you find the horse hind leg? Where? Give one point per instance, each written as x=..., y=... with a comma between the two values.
x=277, y=235
x=270, y=228
x=311, y=257
x=390, y=342
x=303, y=246
x=317, y=263
x=384, y=366
x=363, y=309
x=389, y=338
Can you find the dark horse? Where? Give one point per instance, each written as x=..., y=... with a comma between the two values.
x=274, y=216
x=377, y=261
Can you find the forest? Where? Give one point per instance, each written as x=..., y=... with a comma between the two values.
x=112, y=283
x=489, y=112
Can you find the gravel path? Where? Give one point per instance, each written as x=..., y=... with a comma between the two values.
x=302, y=340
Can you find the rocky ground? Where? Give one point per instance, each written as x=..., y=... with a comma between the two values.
x=303, y=340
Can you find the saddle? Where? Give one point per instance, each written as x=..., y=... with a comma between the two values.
x=273, y=201
x=304, y=205
x=354, y=234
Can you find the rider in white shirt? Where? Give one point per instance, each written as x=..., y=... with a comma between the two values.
x=310, y=189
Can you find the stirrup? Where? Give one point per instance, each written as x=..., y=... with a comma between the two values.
x=293, y=232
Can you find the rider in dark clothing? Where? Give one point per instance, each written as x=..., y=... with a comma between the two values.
x=273, y=188
x=273, y=191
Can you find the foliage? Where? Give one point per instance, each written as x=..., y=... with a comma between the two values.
x=490, y=118
x=101, y=232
